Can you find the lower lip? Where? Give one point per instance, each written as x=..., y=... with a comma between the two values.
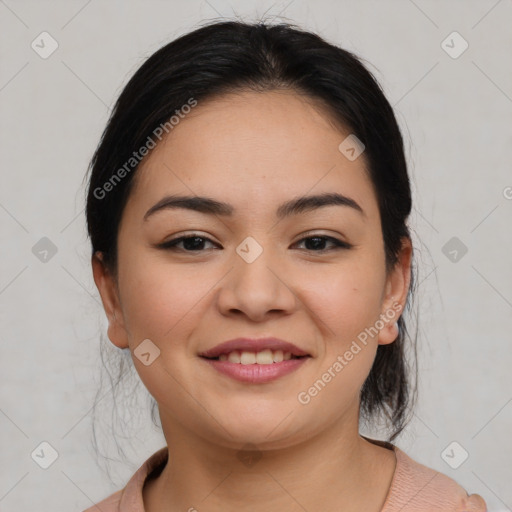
x=256, y=373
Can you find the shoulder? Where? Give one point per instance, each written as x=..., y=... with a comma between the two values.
x=418, y=488
x=130, y=497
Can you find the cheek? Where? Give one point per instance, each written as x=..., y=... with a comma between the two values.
x=346, y=300
x=161, y=303
x=344, y=307
x=159, y=299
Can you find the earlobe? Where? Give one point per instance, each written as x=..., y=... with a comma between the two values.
x=389, y=333
x=107, y=289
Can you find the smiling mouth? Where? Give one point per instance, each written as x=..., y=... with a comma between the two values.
x=263, y=357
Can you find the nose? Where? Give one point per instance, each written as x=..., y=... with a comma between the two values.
x=257, y=289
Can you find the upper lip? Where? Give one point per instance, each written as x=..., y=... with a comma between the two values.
x=253, y=345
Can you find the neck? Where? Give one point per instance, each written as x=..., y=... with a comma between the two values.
x=332, y=468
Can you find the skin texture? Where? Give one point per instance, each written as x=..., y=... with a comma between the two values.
x=256, y=151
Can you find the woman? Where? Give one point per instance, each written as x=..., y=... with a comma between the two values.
x=247, y=207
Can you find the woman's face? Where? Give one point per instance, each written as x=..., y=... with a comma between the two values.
x=254, y=152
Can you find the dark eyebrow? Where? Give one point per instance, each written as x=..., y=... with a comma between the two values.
x=213, y=207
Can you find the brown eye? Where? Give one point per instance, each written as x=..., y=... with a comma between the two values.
x=191, y=243
x=317, y=243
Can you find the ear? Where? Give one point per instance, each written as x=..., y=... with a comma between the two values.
x=107, y=287
x=395, y=295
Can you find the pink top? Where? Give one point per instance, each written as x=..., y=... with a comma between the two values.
x=414, y=488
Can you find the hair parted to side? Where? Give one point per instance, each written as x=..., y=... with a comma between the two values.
x=229, y=56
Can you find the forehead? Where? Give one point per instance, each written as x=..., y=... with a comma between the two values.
x=249, y=147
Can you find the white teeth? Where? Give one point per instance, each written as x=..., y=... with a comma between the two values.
x=234, y=357
x=248, y=358
x=266, y=356
x=278, y=356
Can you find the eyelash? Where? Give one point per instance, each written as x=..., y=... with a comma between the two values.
x=171, y=245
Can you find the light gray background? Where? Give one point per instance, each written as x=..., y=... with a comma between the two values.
x=456, y=119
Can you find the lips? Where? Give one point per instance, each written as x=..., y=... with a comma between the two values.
x=253, y=345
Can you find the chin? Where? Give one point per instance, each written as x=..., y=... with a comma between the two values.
x=268, y=431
